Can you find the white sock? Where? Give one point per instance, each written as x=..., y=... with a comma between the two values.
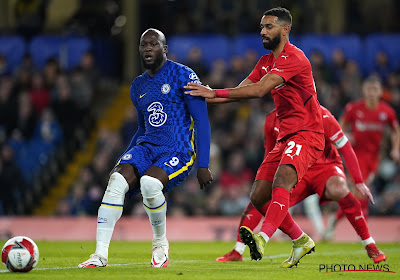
x=264, y=235
x=313, y=212
x=155, y=205
x=239, y=247
x=109, y=212
x=367, y=241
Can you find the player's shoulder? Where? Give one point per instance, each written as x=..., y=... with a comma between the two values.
x=356, y=104
x=385, y=105
x=294, y=51
x=326, y=113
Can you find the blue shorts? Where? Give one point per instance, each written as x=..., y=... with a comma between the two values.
x=176, y=164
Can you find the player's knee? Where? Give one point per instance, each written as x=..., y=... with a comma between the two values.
x=117, y=185
x=336, y=188
x=150, y=187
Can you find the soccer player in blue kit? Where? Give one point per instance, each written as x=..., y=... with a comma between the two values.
x=162, y=152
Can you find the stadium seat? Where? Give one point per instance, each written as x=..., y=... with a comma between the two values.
x=212, y=46
x=13, y=48
x=67, y=50
x=326, y=44
x=76, y=47
x=44, y=47
x=389, y=43
x=252, y=41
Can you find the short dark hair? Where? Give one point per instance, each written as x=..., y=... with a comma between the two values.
x=281, y=13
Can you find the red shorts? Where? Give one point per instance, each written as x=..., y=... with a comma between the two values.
x=301, y=150
x=368, y=165
x=314, y=181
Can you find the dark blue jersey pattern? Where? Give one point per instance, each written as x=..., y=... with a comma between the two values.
x=169, y=117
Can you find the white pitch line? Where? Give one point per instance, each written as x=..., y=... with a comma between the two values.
x=203, y=261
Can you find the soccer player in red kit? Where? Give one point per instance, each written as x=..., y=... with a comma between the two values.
x=286, y=73
x=367, y=118
x=325, y=178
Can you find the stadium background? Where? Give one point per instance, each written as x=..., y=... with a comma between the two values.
x=65, y=113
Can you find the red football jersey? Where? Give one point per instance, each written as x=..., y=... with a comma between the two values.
x=333, y=136
x=368, y=125
x=295, y=99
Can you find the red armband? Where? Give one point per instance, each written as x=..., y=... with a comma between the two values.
x=222, y=93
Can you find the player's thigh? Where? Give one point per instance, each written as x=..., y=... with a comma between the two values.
x=330, y=182
x=301, y=151
x=140, y=157
x=176, y=166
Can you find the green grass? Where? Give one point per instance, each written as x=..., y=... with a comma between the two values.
x=196, y=260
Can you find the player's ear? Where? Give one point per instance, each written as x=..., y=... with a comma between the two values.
x=165, y=49
x=286, y=29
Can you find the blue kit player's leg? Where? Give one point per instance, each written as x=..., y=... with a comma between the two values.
x=110, y=210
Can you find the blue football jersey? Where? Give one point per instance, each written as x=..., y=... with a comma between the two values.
x=162, y=102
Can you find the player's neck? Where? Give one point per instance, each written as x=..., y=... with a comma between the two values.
x=371, y=104
x=152, y=72
x=278, y=50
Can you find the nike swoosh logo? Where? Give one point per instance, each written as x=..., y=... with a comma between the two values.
x=140, y=96
x=154, y=262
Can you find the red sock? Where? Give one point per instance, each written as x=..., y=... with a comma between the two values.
x=290, y=227
x=364, y=207
x=250, y=218
x=352, y=208
x=276, y=211
x=265, y=208
x=339, y=214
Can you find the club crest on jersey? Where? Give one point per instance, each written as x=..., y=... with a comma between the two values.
x=165, y=88
x=157, y=117
x=127, y=157
x=193, y=76
x=382, y=116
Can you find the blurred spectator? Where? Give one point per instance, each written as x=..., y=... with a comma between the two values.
x=81, y=91
x=351, y=80
x=89, y=69
x=26, y=116
x=4, y=69
x=382, y=67
x=11, y=183
x=195, y=60
x=39, y=93
x=8, y=105
x=129, y=126
x=338, y=64
x=50, y=72
x=319, y=67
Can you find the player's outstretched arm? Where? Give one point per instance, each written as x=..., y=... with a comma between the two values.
x=255, y=90
x=198, y=111
x=395, y=153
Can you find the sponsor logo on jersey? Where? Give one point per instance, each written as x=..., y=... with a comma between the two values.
x=368, y=126
x=165, y=88
x=157, y=117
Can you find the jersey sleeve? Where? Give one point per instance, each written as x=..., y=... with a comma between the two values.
x=198, y=110
x=288, y=66
x=392, y=118
x=348, y=113
x=332, y=129
x=258, y=72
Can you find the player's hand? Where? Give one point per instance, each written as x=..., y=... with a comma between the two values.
x=364, y=190
x=395, y=155
x=204, y=176
x=195, y=89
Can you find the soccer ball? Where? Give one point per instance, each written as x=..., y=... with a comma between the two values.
x=20, y=254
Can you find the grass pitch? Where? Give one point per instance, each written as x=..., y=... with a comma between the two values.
x=196, y=260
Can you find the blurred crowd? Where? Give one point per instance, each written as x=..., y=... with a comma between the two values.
x=43, y=113
x=237, y=141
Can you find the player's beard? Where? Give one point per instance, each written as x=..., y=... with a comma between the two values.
x=154, y=64
x=273, y=43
